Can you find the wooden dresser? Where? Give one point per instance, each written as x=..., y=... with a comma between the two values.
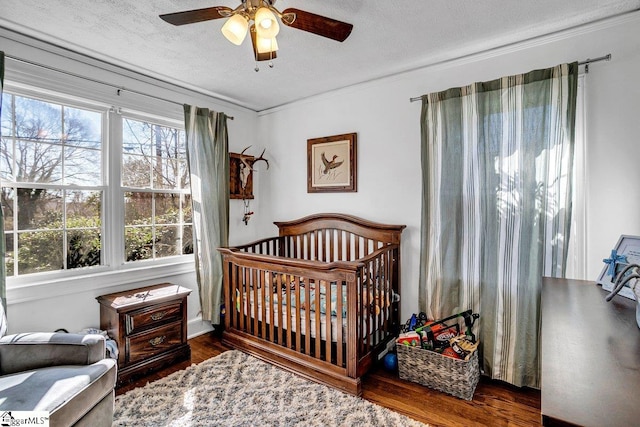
x=590, y=356
x=149, y=325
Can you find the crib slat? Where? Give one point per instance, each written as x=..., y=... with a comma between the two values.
x=263, y=302
x=378, y=289
x=230, y=302
x=394, y=280
x=269, y=289
x=372, y=303
x=254, y=311
x=327, y=328
x=227, y=266
x=315, y=245
x=368, y=314
x=387, y=276
x=354, y=316
x=307, y=317
x=244, y=300
x=386, y=296
x=298, y=323
x=302, y=254
x=318, y=321
x=304, y=246
x=294, y=246
x=339, y=322
x=381, y=286
x=281, y=310
x=286, y=321
x=323, y=245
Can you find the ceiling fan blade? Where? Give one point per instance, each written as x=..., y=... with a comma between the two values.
x=320, y=25
x=197, y=15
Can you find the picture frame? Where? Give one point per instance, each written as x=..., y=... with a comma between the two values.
x=332, y=164
x=626, y=251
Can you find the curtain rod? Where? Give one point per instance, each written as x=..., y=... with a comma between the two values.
x=118, y=88
x=586, y=63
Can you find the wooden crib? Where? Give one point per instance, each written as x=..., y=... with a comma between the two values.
x=321, y=299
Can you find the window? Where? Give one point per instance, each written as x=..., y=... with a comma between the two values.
x=79, y=196
x=52, y=185
x=155, y=182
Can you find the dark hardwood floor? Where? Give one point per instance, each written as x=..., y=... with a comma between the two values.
x=494, y=403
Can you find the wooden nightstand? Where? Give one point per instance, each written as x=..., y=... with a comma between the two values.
x=149, y=325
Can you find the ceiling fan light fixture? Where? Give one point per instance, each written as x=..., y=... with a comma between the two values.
x=266, y=23
x=264, y=45
x=262, y=21
x=235, y=29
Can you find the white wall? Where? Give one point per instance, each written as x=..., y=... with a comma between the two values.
x=388, y=128
x=71, y=304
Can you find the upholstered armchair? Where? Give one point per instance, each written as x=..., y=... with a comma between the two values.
x=65, y=374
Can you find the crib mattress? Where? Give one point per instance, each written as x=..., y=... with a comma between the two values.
x=279, y=320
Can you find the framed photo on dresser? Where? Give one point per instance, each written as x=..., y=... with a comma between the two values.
x=626, y=252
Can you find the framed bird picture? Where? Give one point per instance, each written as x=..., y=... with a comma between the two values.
x=331, y=164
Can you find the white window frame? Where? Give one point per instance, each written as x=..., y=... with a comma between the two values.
x=115, y=270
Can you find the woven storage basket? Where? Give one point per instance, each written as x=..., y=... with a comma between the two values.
x=453, y=376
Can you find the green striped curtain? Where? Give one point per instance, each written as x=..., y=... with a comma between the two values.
x=208, y=160
x=3, y=273
x=496, y=208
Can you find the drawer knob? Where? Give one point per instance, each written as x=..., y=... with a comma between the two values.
x=157, y=341
x=158, y=316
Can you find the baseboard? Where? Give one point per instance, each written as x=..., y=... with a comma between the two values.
x=197, y=327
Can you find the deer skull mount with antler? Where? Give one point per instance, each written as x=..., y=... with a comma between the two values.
x=246, y=166
x=242, y=185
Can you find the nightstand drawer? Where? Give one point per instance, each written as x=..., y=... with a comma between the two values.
x=152, y=316
x=153, y=342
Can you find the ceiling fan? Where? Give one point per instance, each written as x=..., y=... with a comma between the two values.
x=265, y=27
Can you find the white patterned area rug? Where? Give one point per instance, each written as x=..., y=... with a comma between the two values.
x=235, y=389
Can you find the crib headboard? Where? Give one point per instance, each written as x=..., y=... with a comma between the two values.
x=335, y=237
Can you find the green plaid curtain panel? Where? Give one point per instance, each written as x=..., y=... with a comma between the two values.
x=497, y=160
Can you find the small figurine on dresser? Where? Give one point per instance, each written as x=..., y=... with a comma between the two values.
x=628, y=277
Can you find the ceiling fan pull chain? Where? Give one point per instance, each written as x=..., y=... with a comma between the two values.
x=255, y=58
x=271, y=55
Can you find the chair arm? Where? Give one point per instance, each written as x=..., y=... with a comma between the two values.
x=23, y=352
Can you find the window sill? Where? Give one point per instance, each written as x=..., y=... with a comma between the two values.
x=24, y=291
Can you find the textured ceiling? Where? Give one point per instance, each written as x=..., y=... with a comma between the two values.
x=388, y=37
